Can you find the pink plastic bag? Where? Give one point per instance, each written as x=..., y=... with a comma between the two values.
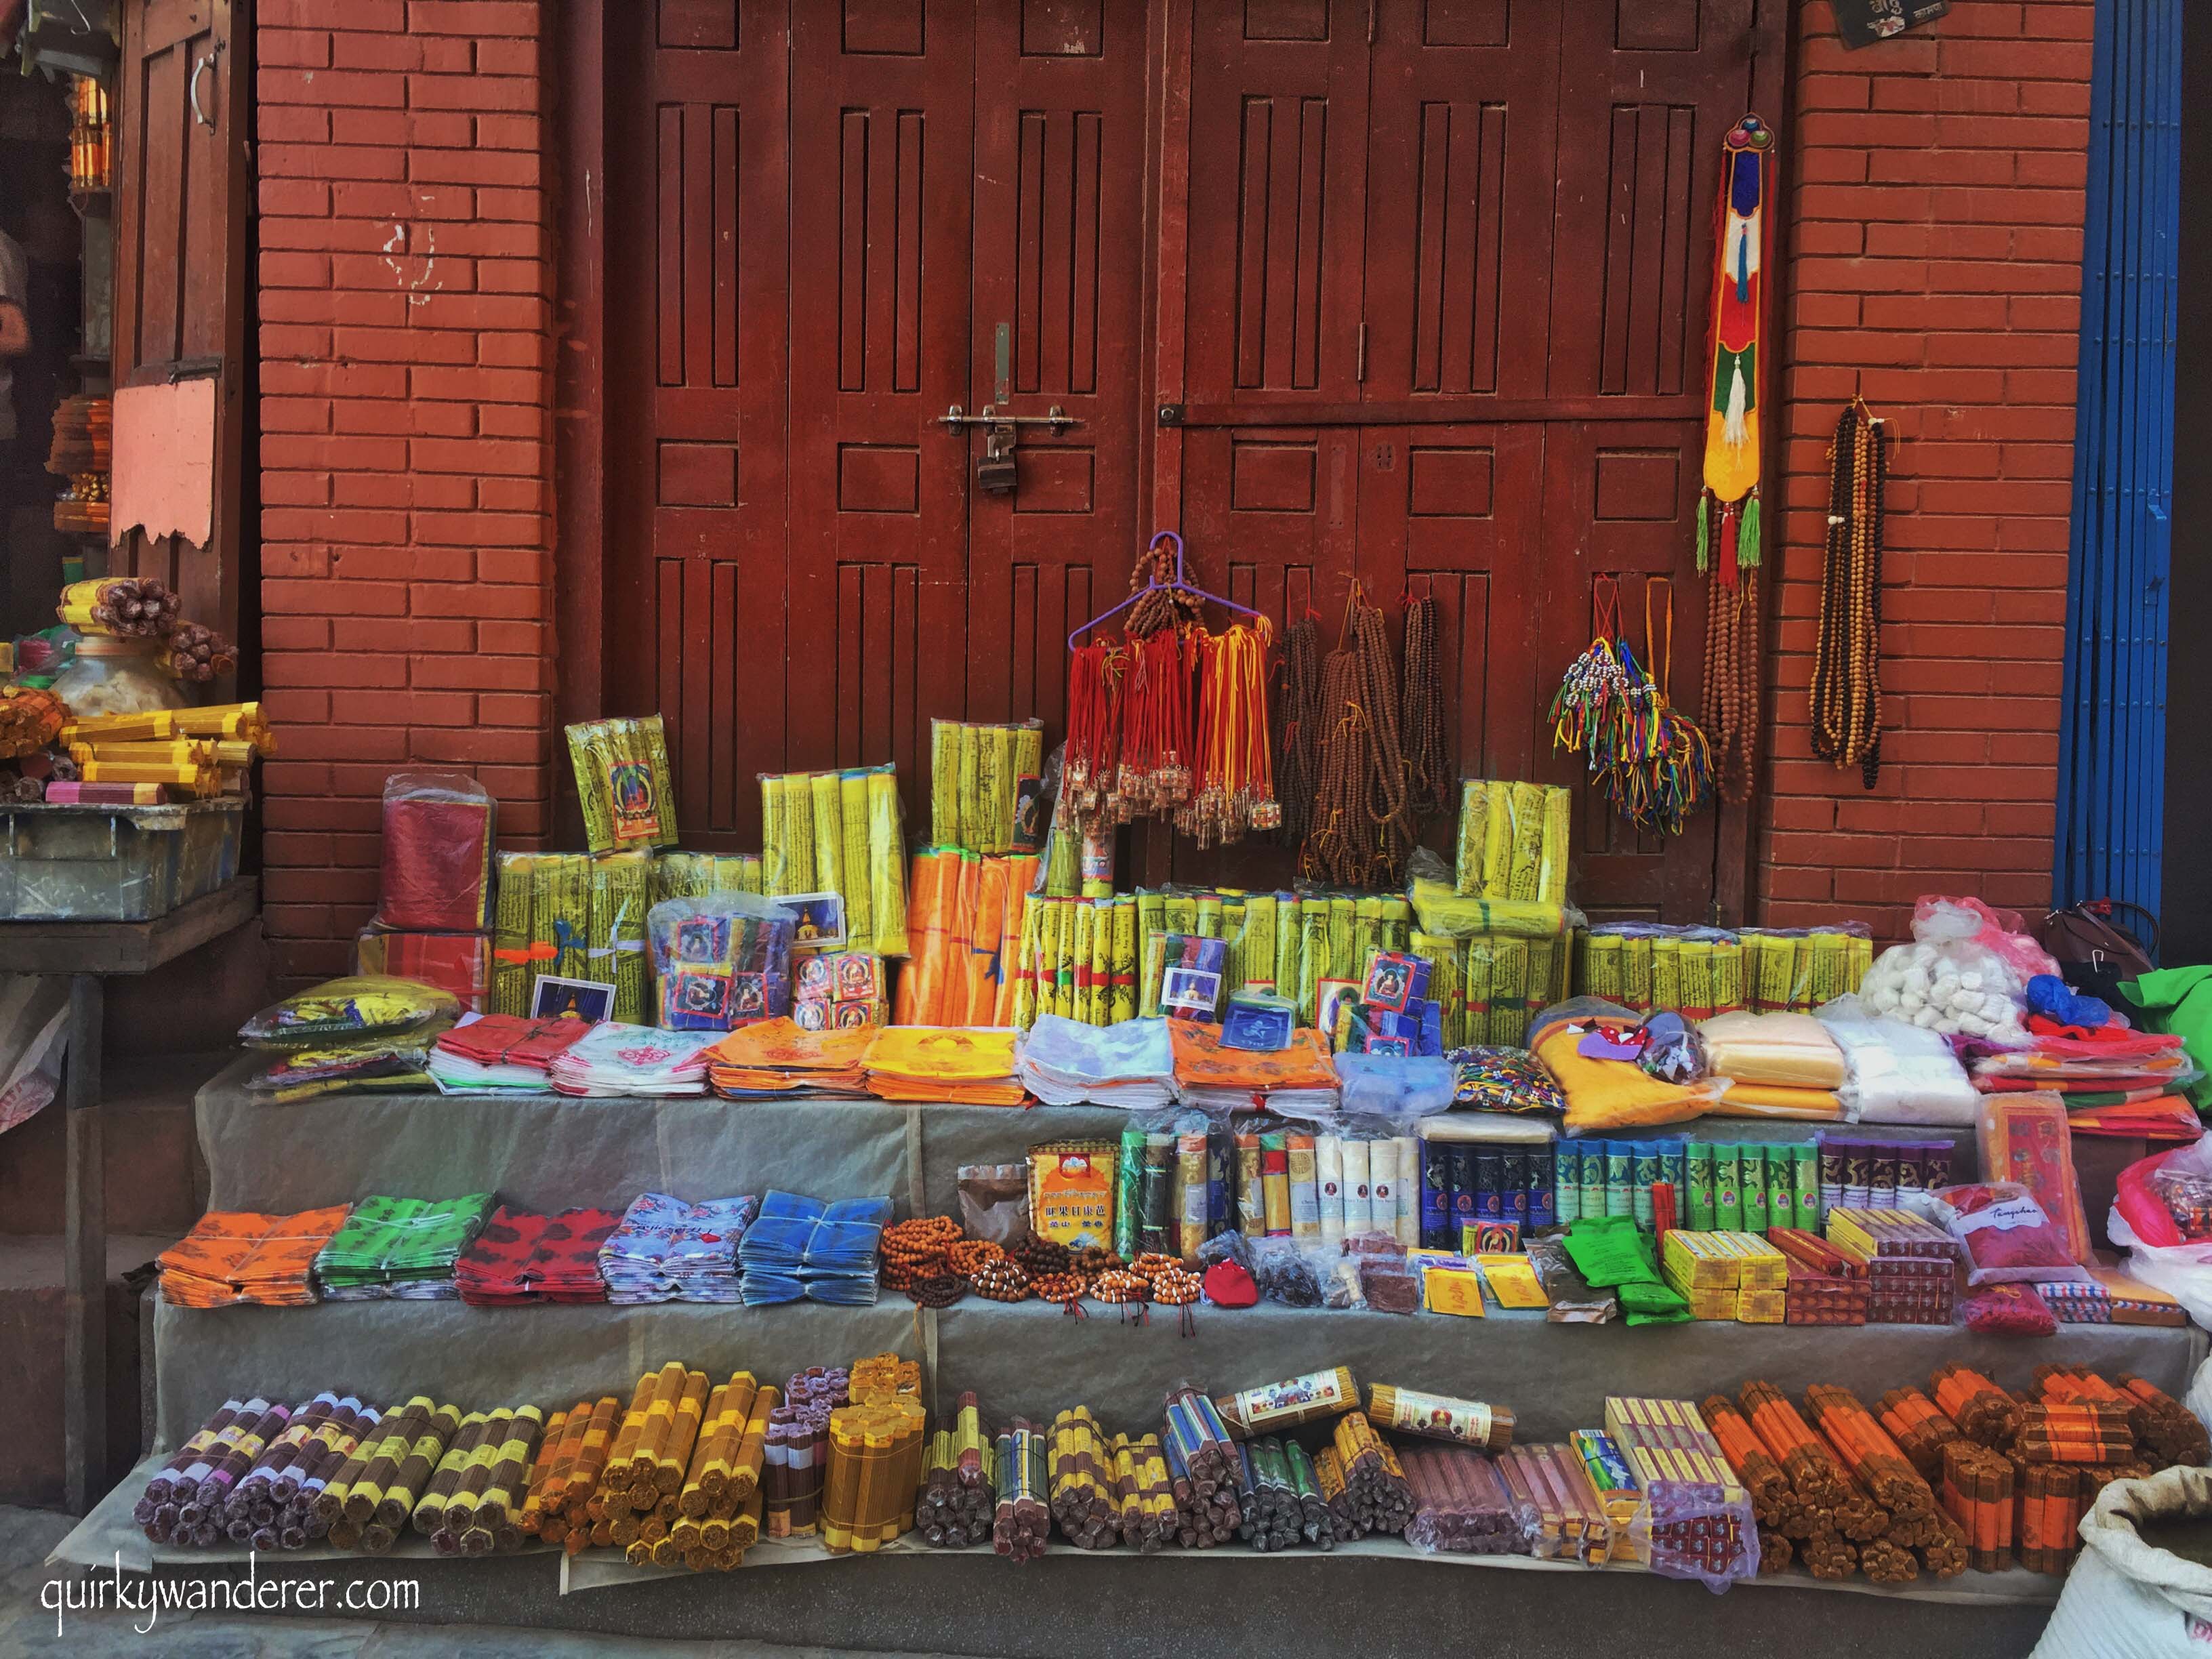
x=1937, y=921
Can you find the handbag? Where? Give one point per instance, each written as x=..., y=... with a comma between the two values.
x=2100, y=942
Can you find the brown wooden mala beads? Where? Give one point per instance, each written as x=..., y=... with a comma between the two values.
x=1335, y=835
x=1094, y=1259
x=1001, y=1281
x=1164, y=606
x=1039, y=1255
x=1297, y=728
x=1152, y=1263
x=1846, y=686
x=1119, y=1285
x=1389, y=776
x=1421, y=720
x=914, y=1250
x=1732, y=673
x=937, y=1290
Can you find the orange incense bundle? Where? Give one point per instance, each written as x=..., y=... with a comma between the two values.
x=1977, y=1494
x=2071, y=1383
x=1921, y=1431
x=2049, y=1509
x=1869, y=1453
x=2076, y=1431
x=1985, y=1413
x=1812, y=1469
x=2170, y=1433
x=1762, y=1477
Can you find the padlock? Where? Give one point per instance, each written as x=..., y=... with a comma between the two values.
x=994, y=467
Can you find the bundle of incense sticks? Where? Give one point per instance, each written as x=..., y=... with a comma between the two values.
x=1023, y=1524
x=959, y=1492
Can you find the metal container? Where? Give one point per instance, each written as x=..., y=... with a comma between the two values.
x=114, y=863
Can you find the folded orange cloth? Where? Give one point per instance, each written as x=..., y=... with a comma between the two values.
x=929, y=1054
x=782, y=1045
x=243, y=1256
x=1200, y=1062
x=947, y=1094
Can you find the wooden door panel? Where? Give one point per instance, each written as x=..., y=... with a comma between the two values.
x=1279, y=117
x=1460, y=159
x=182, y=205
x=697, y=419
x=1058, y=261
x=881, y=165
x=1646, y=92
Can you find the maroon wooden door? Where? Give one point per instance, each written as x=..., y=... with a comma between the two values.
x=182, y=199
x=1407, y=292
x=1448, y=255
x=835, y=227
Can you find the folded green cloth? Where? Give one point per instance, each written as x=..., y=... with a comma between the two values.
x=2178, y=1001
x=389, y=1240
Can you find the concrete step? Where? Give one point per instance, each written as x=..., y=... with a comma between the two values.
x=31, y=1468
x=155, y=1181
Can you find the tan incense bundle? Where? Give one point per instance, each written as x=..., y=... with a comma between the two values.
x=445, y=1479
x=1372, y=1476
x=1439, y=1417
x=1082, y=1489
x=460, y=1509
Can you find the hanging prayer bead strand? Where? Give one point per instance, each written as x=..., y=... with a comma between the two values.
x=1846, y=685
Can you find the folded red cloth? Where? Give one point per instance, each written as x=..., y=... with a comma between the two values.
x=511, y=1040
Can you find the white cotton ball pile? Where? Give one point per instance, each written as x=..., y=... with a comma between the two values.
x=1947, y=989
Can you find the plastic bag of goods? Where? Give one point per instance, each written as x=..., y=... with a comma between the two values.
x=1964, y=974
x=1900, y=1072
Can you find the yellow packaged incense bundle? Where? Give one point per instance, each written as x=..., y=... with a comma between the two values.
x=134, y=607
x=615, y=952
x=982, y=779
x=1513, y=840
x=240, y=720
x=694, y=875
x=1439, y=1417
x=841, y=833
x=624, y=783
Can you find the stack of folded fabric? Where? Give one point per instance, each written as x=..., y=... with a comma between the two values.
x=801, y=1247
x=1299, y=1080
x=1064, y=1062
x=502, y=1054
x=401, y=1247
x=958, y=1065
x=241, y=1256
x=2114, y=1079
x=521, y=1256
x=633, y=1060
x=776, y=1058
x=1778, y=1064
x=666, y=1250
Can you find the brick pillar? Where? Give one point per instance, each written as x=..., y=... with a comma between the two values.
x=406, y=282
x=1936, y=234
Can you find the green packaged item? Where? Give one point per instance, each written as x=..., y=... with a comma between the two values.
x=1805, y=1182
x=1782, y=1190
x=1751, y=1179
x=1128, y=1192
x=624, y=784
x=1728, y=1191
x=1702, y=1207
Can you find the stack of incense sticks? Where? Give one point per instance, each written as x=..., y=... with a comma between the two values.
x=720, y=1507
x=1438, y=1417
x=1919, y=1429
x=1143, y=1493
x=1773, y=1501
x=635, y=1504
x=369, y=1500
x=1979, y=1494
x=959, y=1495
x=1372, y=1475
x=1197, y=1441
x=1022, y=1525
x=1462, y=1504
x=798, y=1450
x=1328, y=1475
x=1285, y=1405
x=1985, y=1413
x=2075, y=1431
x=1316, y=1522
x=477, y=1491
x=565, y=1476
x=1082, y=1466
x=1275, y=1520
x=2170, y=1432
x=876, y=1449
x=269, y=1501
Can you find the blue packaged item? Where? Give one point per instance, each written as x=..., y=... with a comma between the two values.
x=1542, y=1186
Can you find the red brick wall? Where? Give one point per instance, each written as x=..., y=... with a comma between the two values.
x=406, y=536
x=1935, y=235
x=1934, y=230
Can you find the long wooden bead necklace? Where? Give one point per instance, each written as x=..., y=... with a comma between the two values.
x=1847, y=689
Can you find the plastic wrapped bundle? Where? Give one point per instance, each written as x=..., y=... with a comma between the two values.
x=1022, y=1526
x=842, y=833
x=1463, y=1505
x=437, y=861
x=458, y=963
x=980, y=776
x=723, y=961
x=624, y=783
x=1512, y=840
x=1372, y=1476
x=621, y=890
x=678, y=874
